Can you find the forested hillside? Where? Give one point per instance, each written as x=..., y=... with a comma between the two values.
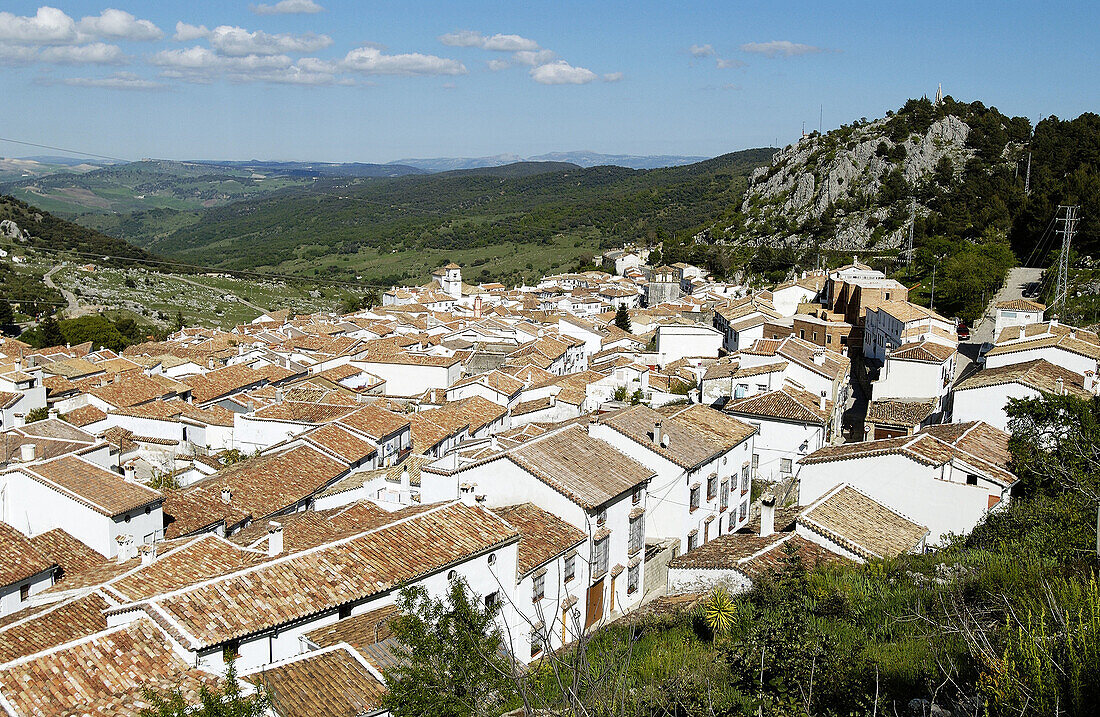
x=506, y=223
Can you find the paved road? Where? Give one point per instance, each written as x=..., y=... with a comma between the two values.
x=982, y=332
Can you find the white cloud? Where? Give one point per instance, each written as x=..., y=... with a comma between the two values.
x=238, y=42
x=187, y=33
x=96, y=53
x=49, y=26
x=780, y=48
x=117, y=81
x=498, y=42
x=613, y=77
x=372, y=61
x=562, y=73
x=533, y=58
x=724, y=64
x=119, y=25
x=701, y=50
x=202, y=65
x=17, y=54
x=497, y=65
x=287, y=7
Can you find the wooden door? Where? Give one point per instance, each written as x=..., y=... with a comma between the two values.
x=594, y=604
x=881, y=433
x=611, y=597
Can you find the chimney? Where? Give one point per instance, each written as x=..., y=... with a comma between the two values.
x=127, y=550
x=227, y=495
x=553, y=400
x=148, y=554
x=274, y=538
x=1073, y=333
x=210, y=363
x=843, y=350
x=240, y=349
x=53, y=412
x=405, y=476
x=1061, y=386
x=27, y=452
x=821, y=402
x=1054, y=321
x=767, y=515
x=117, y=377
x=657, y=433
x=278, y=395
x=819, y=357
x=129, y=472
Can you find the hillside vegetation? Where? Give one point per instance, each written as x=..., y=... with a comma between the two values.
x=505, y=223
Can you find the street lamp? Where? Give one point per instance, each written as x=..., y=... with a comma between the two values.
x=932, y=299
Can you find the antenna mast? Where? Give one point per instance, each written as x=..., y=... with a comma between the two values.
x=1027, y=176
x=1068, y=222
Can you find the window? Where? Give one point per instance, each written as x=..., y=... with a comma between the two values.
x=601, y=516
x=706, y=532
x=785, y=466
x=887, y=295
x=570, y=567
x=24, y=592
x=127, y=518
x=815, y=336
x=843, y=340
x=492, y=559
x=762, y=387
x=452, y=575
x=694, y=498
x=712, y=487
x=724, y=496
x=599, y=558
x=536, y=642
x=344, y=611
x=755, y=462
x=971, y=479
x=755, y=425
x=637, y=535
x=828, y=338
x=744, y=512
x=632, y=578
x=742, y=389
x=744, y=478
x=802, y=333
x=693, y=539
x=636, y=496
x=538, y=587
x=231, y=650
x=491, y=600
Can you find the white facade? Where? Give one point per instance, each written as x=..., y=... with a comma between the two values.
x=677, y=341
x=1015, y=317
x=988, y=403
x=901, y=378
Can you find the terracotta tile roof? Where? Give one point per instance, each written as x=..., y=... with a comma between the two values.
x=861, y=524
x=496, y=380
x=310, y=528
x=299, y=412
x=258, y=487
x=54, y=624
x=21, y=559
x=103, y=675
x=734, y=370
x=542, y=535
x=1035, y=336
x=1021, y=305
x=56, y=385
x=72, y=557
x=99, y=489
x=788, y=402
x=325, y=683
x=695, y=434
x=588, y=471
x=906, y=311
x=359, y=631
x=224, y=381
x=1039, y=374
x=750, y=553
x=426, y=434
x=977, y=438
x=413, y=464
x=900, y=413
x=201, y=558
x=72, y=368
x=302, y=584
x=925, y=351
x=341, y=442
x=131, y=390
x=376, y=423
x=84, y=415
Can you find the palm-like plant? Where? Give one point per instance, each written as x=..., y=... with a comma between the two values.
x=719, y=611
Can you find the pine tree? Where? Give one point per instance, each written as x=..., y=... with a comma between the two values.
x=6, y=316
x=51, y=332
x=622, y=318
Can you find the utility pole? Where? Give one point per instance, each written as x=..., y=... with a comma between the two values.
x=912, y=221
x=820, y=117
x=1068, y=222
x=1027, y=177
x=932, y=299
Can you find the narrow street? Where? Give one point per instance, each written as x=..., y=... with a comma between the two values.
x=982, y=331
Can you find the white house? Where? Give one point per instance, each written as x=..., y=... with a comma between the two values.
x=790, y=423
x=1071, y=348
x=1017, y=312
x=922, y=369
x=677, y=341
x=945, y=477
x=99, y=508
x=890, y=324
x=983, y=396
x=26, y=571
x=20, y=393
x=702, y=460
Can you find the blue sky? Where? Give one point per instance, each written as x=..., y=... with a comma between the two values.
x=377, y=80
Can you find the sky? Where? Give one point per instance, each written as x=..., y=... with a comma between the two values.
x=381, y=80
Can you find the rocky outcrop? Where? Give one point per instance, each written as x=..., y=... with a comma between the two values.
x=11, y=230
x=842, y=174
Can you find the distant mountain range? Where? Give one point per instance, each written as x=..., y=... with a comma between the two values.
x=581, y=158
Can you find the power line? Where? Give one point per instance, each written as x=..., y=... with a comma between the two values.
x=62, y=149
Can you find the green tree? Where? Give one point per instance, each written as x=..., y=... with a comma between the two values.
x=179, y=320
x=50, y=332
x=37, y=414
x=6, y=316
x=225, y=700
x=622, y=318
x=451, y=661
